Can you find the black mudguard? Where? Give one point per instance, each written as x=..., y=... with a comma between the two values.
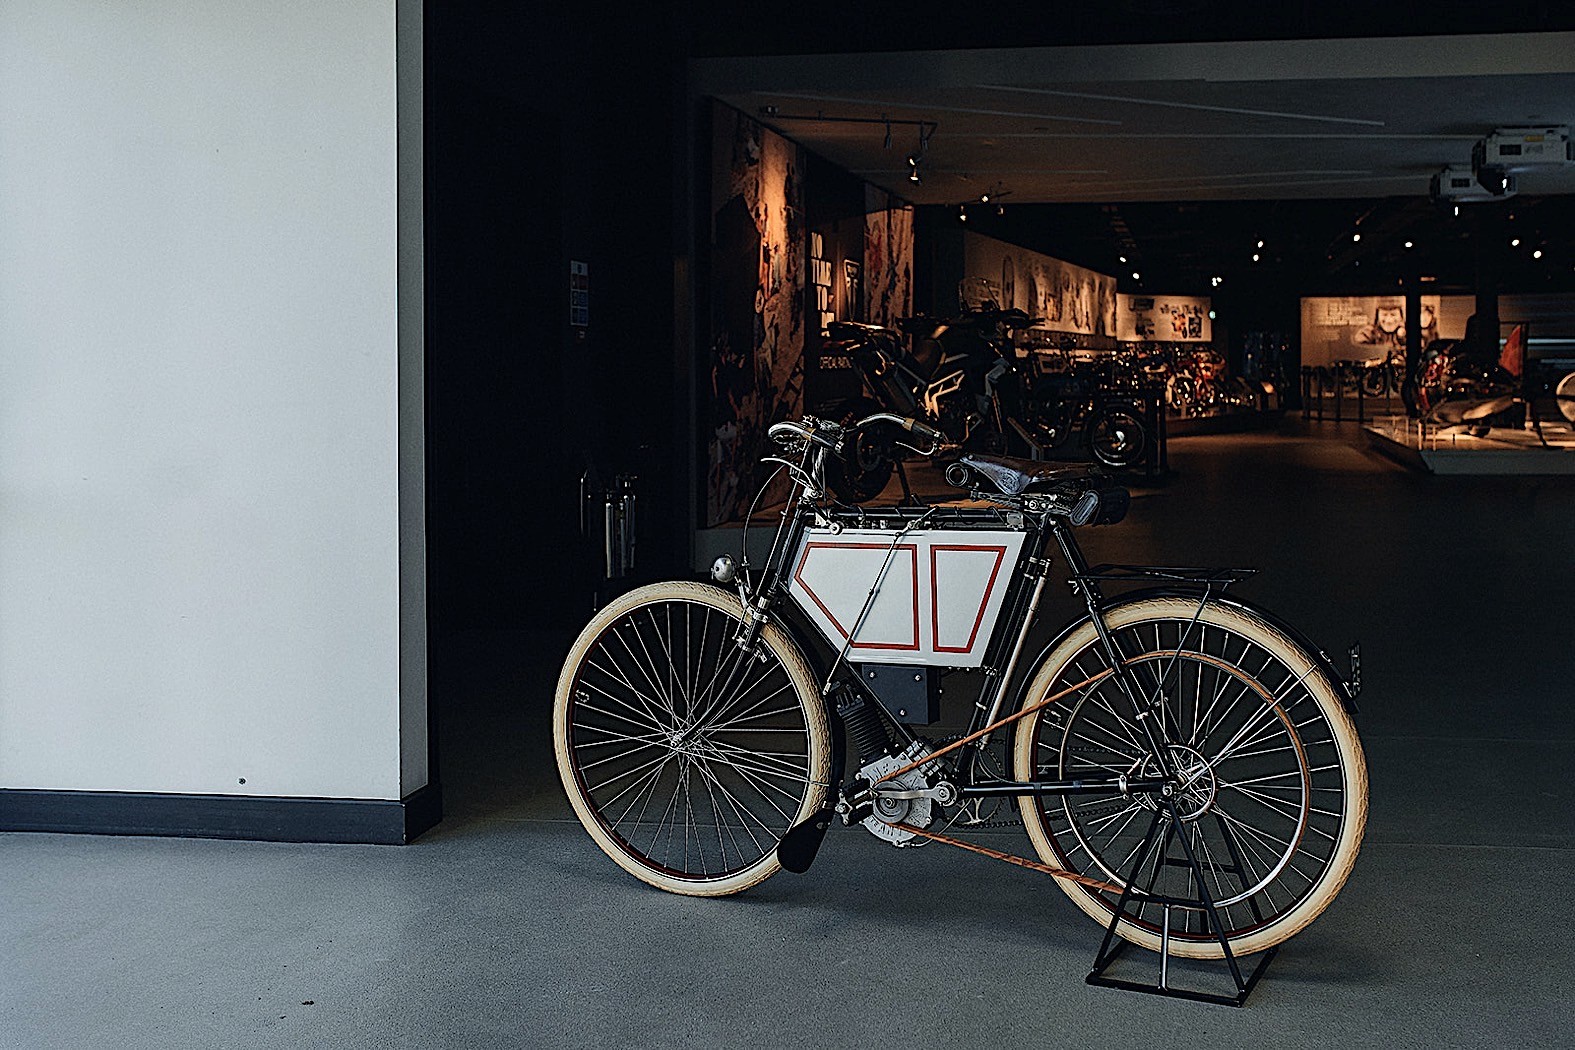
x=1321, y=659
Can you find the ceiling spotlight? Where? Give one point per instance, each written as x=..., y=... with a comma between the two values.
x=1537, y=254
x=1409, y=244
x=1457, y=211
x=984, y=198
x=1136, y=276
x=913, y=167
x=1123, y=258
x=1000, y=209
x=1355, y=237
x=1260, y=244
x=1254, y=256
x=962, y=213
x=1514, y=242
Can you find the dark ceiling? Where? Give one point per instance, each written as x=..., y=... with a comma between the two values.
x=1184, y=156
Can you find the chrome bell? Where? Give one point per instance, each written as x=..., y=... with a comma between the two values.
x=724, y=570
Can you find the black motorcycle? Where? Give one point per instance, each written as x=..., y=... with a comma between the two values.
x=955, y=374
x=1100, y=406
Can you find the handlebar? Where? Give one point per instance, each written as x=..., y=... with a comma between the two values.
x=912, y=426
x=829, y=435
x=815, y=431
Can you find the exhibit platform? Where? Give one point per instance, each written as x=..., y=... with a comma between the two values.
x=1454, y=450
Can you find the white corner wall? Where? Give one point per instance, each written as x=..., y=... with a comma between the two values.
x=202, y=408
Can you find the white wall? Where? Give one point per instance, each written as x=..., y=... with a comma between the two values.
x=200, y=400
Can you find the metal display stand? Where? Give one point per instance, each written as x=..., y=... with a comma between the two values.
x=1113, y=944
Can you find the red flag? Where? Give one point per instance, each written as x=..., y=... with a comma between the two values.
x=1512, y=358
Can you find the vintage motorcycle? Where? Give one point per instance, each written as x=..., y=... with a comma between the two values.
x=1184, y=763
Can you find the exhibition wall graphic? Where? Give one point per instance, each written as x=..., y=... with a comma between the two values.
x=1069, y=298
x=1164, y=319
x=762, y=313
x=757, y=304
x=888, y=257
x=1368, y=327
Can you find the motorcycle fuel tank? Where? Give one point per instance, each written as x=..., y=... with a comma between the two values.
x=928, y=597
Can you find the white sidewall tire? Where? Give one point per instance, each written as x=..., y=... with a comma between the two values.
x=798, y=670
x=1353, y=766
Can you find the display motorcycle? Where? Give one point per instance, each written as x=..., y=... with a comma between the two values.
x=955, y=374
x=1071, y=400
x=1457, y=387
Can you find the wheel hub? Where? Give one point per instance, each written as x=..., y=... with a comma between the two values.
x=1195, y=782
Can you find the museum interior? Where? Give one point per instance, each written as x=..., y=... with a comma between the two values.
x=677, y=299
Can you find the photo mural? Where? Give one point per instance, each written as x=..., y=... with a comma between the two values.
x=757, y=305
x=1368, y=327
x=888, y=257
x=1069, y=298
x=1164, y=319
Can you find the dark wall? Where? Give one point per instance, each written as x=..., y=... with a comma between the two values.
x=550, y=138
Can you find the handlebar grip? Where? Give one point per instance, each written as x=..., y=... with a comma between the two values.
x=924, y=430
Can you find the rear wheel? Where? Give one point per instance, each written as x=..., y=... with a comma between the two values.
x=686, y=758
x=1273, y=797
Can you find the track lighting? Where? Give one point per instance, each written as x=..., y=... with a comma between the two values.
x=984, y=198
x=1000, y=209
x=962, y=213
x=1354, y=237
x=1537, y=254
x=1409, y=244
x=913, y=167
x=1254, y=256
x=1514, y=242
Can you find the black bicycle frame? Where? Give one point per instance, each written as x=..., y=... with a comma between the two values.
x=1006, y=645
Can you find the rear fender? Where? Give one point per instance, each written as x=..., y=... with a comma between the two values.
x=1342, y=687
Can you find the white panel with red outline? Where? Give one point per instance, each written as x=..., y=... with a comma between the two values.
x=937, y=603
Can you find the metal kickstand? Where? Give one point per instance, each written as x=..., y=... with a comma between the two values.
x=1113, y=945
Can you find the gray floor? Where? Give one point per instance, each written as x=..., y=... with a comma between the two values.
x=506, y=927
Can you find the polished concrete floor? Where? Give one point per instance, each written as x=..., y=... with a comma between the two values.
x=506, y=927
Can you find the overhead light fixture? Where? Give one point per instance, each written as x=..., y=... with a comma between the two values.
x=1537, y=254
x=1000, y=209
x=1254, y=256
x=962, y=213
x=984, y=198
x=1355, y=237
x=1514, y=242
x=1212, y=315
x=913, y=167
x=1409, y=244
x=1123, y=258
x=1136, y=276
x=1260, y=244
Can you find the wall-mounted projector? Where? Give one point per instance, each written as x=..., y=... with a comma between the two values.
x=1462, y=186
x=1515, y=148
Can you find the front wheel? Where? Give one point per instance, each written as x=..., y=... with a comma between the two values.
x=686, y=758
x=1273, y=783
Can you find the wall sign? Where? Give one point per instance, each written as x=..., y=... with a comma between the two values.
x=579, y=293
